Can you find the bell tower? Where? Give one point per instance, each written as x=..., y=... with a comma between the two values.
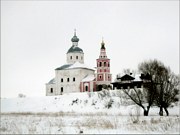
x=103, y=68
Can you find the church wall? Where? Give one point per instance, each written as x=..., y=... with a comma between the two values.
x=71, y=86
x=50, y=89
x=74, y=59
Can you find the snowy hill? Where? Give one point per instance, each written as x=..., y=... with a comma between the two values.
x=115, y=102
x=83, y=113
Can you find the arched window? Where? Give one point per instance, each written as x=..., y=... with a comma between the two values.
x=105, y=64
x=86, y=88
x=67, y=79
x=73, y=79
x=51, y=90
x=76, y=57
x=100, y=64
x=108, y=64
x=61, y=89
x=71, y=57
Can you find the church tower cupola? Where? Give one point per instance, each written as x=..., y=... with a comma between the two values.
x=75, y=38
x=103, y=45
x=75, y=53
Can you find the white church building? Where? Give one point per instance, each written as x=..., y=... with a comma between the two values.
x=75, y=76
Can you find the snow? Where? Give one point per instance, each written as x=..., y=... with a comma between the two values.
x=88, y=78
x=87, y=112
x=137, y=78
x=79, y=65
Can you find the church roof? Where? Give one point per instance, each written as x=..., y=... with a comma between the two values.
x=63, y=67
x=80, y=65
x=74, y=48
x=88, y=78
x=74, y=66
x=52, y=81
x=75, y=38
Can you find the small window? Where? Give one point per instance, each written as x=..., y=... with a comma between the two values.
x=61, y=79
x=108, y=64
x=100, y=64
x=105, y=64
x=100, y=76
x=51, y=90
x=76, y=57
x=71, y=57
x=61, y=89
x=67, y=79
x=86, y=88
x=73, y=79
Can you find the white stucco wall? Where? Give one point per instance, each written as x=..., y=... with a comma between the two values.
x=48, y=89
x=71, y=86
x=73, y=60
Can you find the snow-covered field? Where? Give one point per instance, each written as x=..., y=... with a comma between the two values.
x=99, y=112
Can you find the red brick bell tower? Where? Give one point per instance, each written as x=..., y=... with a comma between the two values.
x=103, y=68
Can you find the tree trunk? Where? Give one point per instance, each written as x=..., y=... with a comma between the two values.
x=146, y=112
x=161, y=111
x=167, y=113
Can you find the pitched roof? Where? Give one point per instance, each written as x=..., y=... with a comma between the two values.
x=52, y=81
x=74, y=66
x=63, y=67
x=127, y=77
x=88, y=78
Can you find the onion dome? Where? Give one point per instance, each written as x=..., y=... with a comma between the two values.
x=75, y=38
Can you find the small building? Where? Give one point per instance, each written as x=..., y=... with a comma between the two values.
x=128, y=81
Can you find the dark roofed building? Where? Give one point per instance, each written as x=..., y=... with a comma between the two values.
x=128, y=81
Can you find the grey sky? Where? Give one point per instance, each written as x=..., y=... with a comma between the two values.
x=35, y=36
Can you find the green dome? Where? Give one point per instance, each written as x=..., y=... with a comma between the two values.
x=75, y=39
x=75, y=49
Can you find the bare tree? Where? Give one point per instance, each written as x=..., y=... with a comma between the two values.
x=127, y=71
x=145, y=97
x=164, y=83
x=140, y=97
x=167, y=91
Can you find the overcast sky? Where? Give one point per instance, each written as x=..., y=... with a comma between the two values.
x=35, y=36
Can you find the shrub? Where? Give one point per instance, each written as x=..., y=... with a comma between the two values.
x=108, y=103
x=20, y=95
